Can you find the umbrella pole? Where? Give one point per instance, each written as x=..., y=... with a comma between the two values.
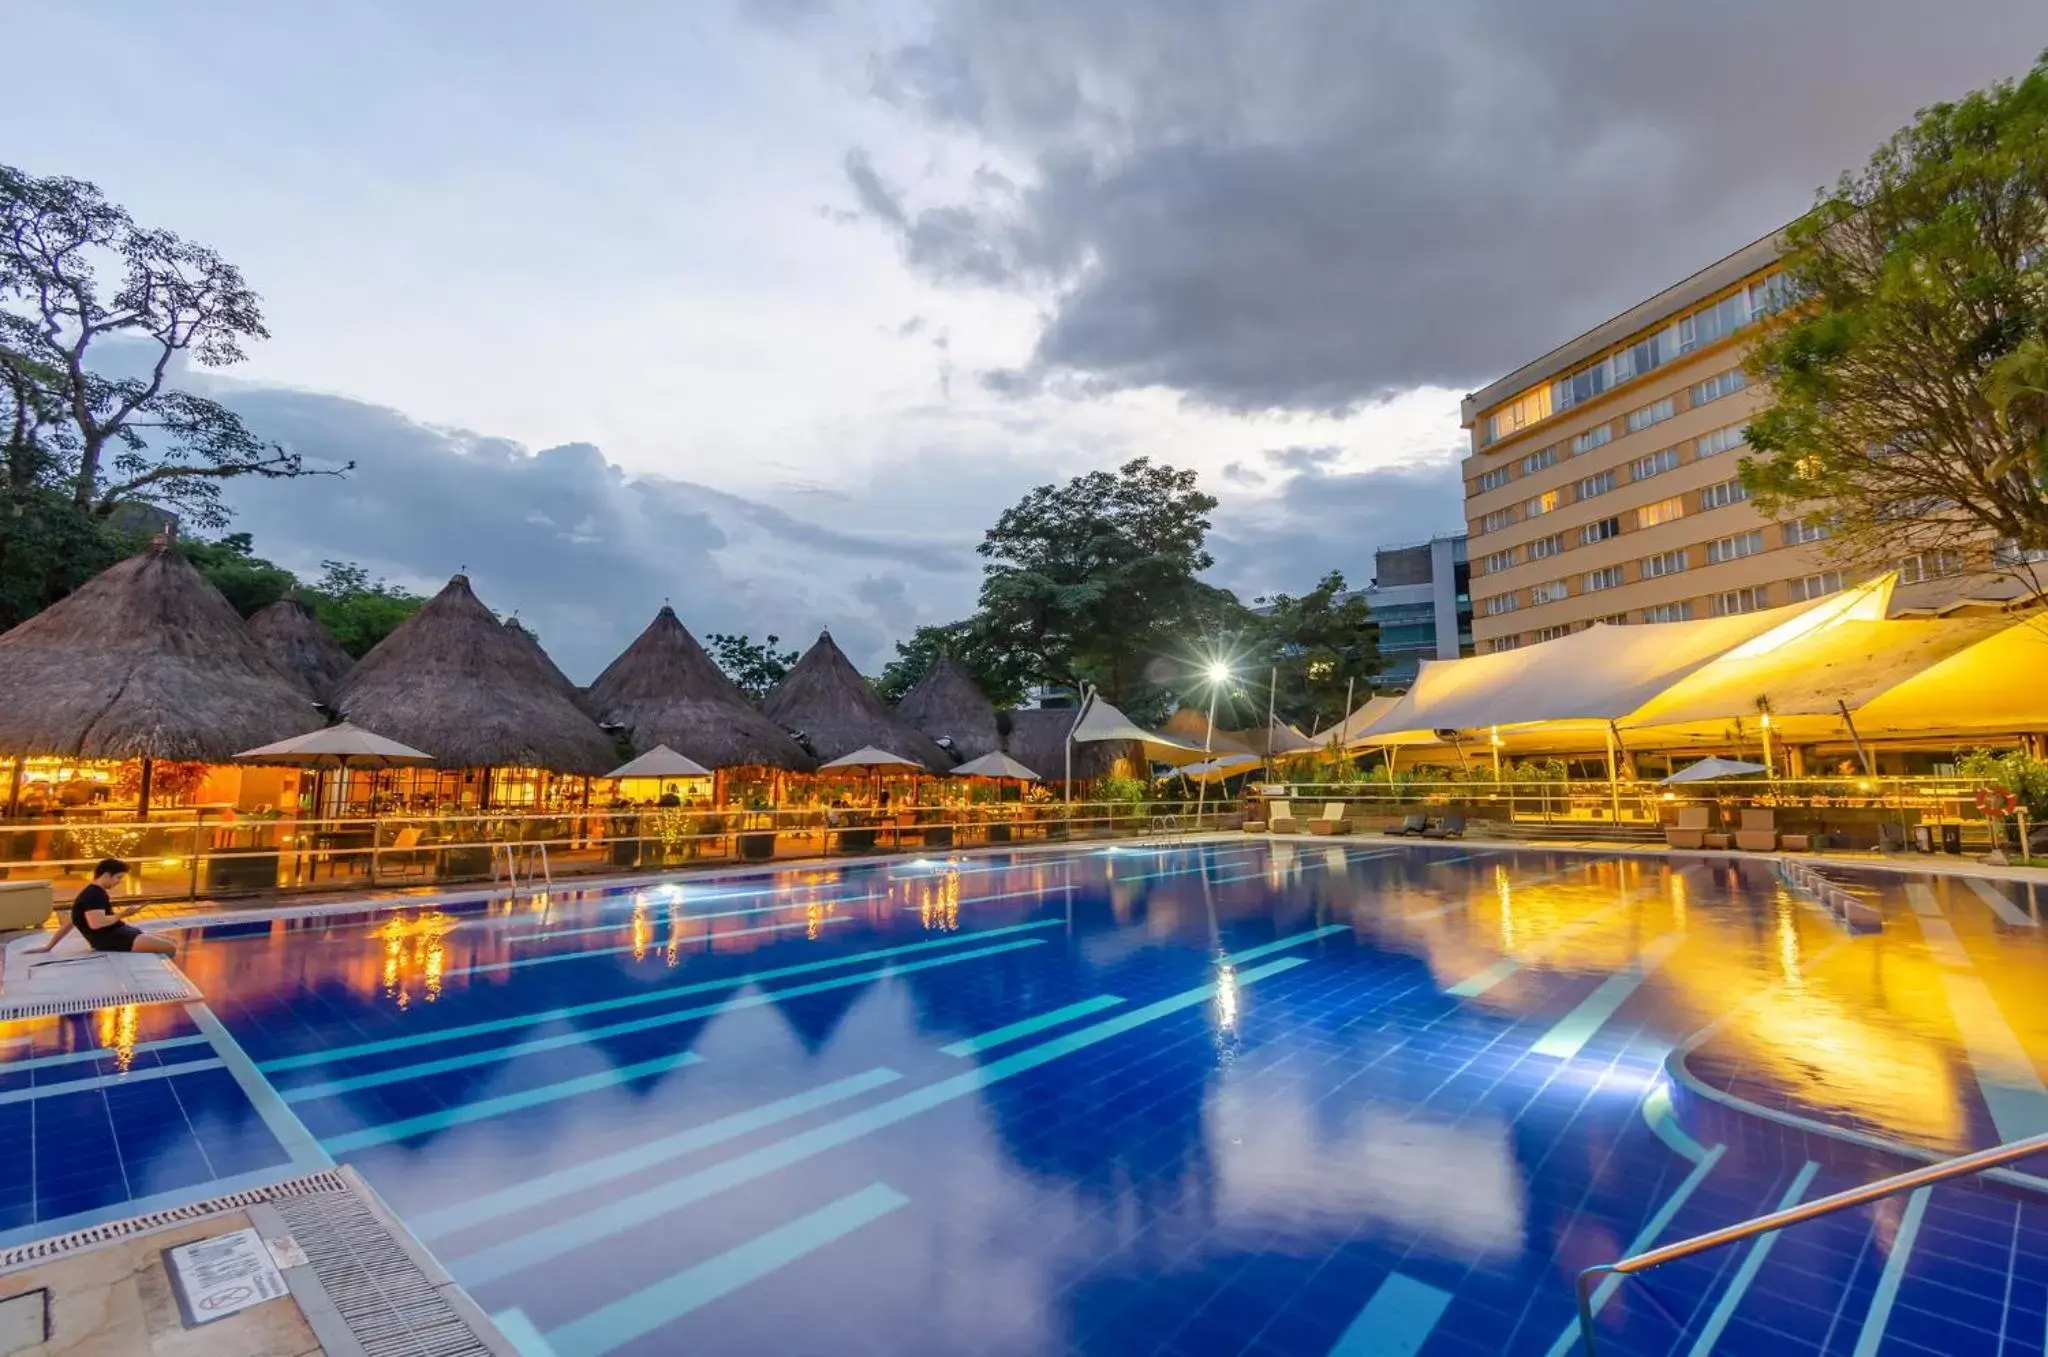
x=1272, y=692
x=1208, y=734
x=1862, y=754
x=142, y=798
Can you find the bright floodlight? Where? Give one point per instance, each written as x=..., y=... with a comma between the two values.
x=1219, y=672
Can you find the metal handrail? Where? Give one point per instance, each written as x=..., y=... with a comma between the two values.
x=1962, y=1166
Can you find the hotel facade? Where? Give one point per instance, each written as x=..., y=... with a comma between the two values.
x=1602, y=484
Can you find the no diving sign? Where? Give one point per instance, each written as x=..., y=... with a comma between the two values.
x=217, y=1277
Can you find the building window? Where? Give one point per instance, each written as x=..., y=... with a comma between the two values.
x=1738, y=601
x=1539, y=459
x=1800, y=533
x=1665, y=563
x=1768, y=294
x=1499, y=561
x=1544, y=548
x=1930, y=565
x=1656, y=412
x=1498, y=519
x=1722, y=495
x=1596, y=485
x=1613, y=619
x=1722, y=439
x=1547, y=502
x=1554, y=592
x=1656, y=464
x=1663, y=511
x=1817, y=586
x=1610, y=578
x=1600, y=531
x=1719, y=385
x=1669, y=612
x=1530, y=407
x=1491, y=480
x=1500, y=603
x=1500, y=643
x=1599, y=436
x=1710, y=323
x=1552, y=633
x=1722, y=550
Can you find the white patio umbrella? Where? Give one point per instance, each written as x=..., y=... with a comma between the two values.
x=661, y=761
x=997, y=764
x=871, y=757
x=1708, y=769
x=342, y=746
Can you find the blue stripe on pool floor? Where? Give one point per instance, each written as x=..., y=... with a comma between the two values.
x=40, y=1062
x=1577, y=1027
x=334, y=1054
x=660, y=1199
x=593, y=1173
x=145, y=1075
x=486, y=1108
x=1752, y=1263
x=400, y=1074
x=521, y=1333
x=1396, y=1322
x=592, y=953
x=635, y=1316
x=1030, y=1026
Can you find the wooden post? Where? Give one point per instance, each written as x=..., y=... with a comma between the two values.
x=142, y=799
x=14, y=788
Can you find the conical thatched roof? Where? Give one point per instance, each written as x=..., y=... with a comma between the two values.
x=1038, y=738
x=663, y=689
x=946, y=705
x=145, y=660
x=299, y=645
x=825, y=697
x=1188, y=724
x=530, y=643
x=452, y=681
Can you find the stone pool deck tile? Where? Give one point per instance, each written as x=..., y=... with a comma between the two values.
x=116, y=1301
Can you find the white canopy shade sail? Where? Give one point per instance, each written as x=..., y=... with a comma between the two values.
x=1100, y=721
x=1708, y=769
x=1601, y=674
x=1229, y=765
x=870, y=757
x=1349, y=733
x=1276, y=740
x=661, y=761
x=337, y=746
x=1998, y=684
x=996, y=764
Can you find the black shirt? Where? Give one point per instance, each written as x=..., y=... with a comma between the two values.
x=93, y=897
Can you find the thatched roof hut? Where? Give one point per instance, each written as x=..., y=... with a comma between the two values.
x=946, y=705
x=530, y=644
x=452, y=681
x=145, y=660
x=663, y=689
x=299, y=645
x=825, y=698
x=1038, y=737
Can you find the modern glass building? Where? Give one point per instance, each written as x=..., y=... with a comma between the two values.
x=1421, y=599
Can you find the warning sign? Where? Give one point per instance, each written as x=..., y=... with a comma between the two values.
x=217, y=1277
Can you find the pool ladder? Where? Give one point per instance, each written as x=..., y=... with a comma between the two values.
x=537, y=855
x=1962, y=1166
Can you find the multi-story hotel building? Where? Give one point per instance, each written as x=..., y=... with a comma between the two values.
x=1602, y=483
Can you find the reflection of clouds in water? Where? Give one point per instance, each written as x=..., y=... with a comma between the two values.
x=1454, y=1184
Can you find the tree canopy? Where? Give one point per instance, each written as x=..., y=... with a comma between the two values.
x=1910, y=372
x=356, y=610
x=97, y=313
x=1315, y=650
x=756, y=666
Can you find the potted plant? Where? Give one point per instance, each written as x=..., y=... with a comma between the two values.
x=756, y=843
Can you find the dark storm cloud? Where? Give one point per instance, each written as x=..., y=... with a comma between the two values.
x=1309, y=204
x=579, y=549
x=1316, y=518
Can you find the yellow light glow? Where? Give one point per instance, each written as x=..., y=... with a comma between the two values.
x=117, y=1034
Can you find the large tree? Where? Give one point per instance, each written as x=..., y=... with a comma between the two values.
x=1910, y=371
x=97, y=313
x=756, y=666
x=1312, y=651
x=1095, y=581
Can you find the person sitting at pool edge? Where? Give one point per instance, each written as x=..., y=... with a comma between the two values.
x=104, y=928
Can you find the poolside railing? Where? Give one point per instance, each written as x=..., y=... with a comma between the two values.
x=183, y=854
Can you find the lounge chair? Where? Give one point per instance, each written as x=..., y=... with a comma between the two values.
x=1796, y=843
x=1414, y=824
x=1691, y=829
x=1331, y=821
x=1450, y=827
x=1280, y=818
x=404, y=857
x=1759, y=832
x=25, y=904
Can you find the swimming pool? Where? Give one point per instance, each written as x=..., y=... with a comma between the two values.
x=1227, y=1097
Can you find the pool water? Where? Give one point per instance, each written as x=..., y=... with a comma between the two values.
x=1228, y=1098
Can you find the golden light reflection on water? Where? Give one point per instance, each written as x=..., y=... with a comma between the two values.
x=116, y=1031
x=415, y=947
x=938, y=906
x=643, y=928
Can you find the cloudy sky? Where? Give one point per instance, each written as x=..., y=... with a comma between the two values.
x=768, y=307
